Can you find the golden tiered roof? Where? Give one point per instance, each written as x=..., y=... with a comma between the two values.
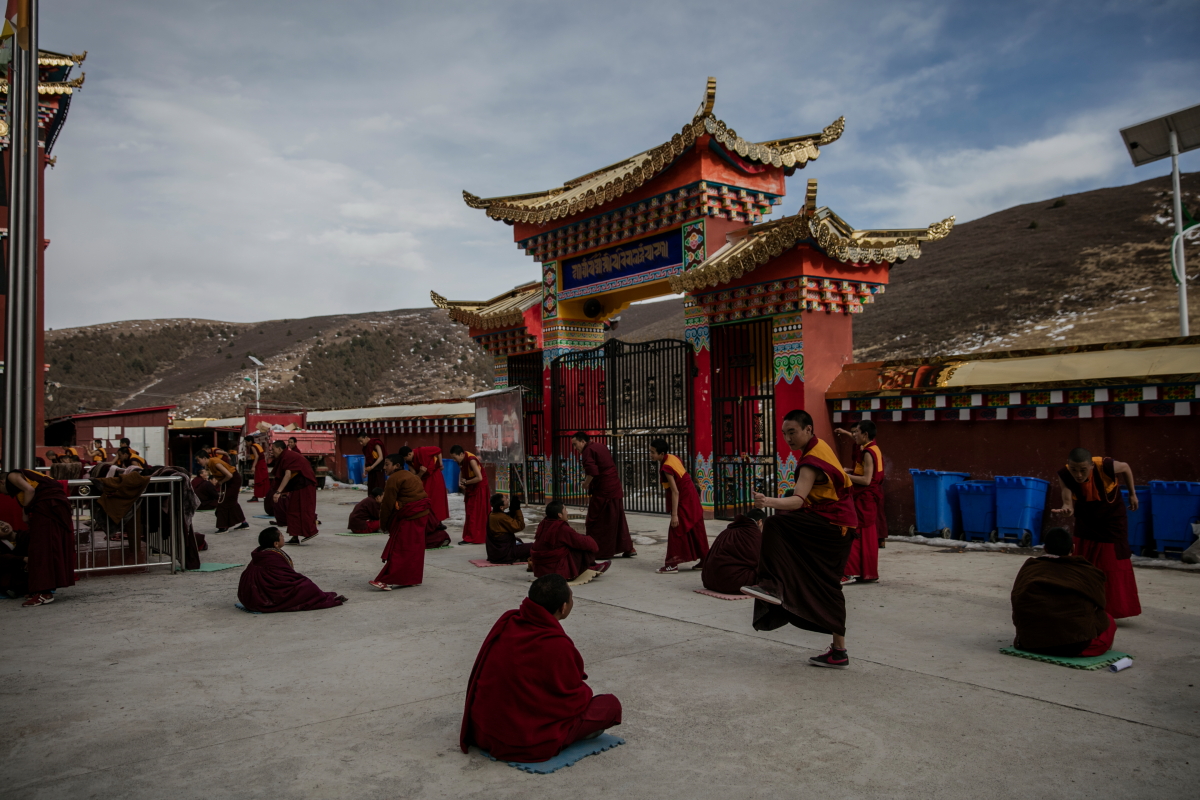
x=754, y=246
x=502, y=311
x=616, y=180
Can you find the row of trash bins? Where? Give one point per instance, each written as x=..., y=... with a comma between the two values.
x=1010, y=508
x=356, y=467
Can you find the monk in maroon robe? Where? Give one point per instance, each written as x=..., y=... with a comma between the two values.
x=804, y=548
x=262, y=476
x=14, y=553
x=206, y=490
x=373, y=453
x=503, y=546
x=687, y=539
x=1091, y=493
x=405, y=514
x=270, y=582
x=606, y=521
x=526, y=699
x=52, y=559
x=867, y=490
x=732, y=560
x=229, y=483
x=364, y=518
x=427, y=463
x=1058, y=603
x=559, y=549
x=298, y=483
x=473, y=481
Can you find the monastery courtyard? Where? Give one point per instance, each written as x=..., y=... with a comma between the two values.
x=155, y=686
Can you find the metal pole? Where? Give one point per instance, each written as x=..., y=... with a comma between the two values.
x=1181, y=265
x=257, y=405
x=21, y=371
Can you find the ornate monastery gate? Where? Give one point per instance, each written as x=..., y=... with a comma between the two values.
x=526, y=371
x=624, y=395
x=743, y=387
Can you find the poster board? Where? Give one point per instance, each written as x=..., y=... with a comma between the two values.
x=499, y=426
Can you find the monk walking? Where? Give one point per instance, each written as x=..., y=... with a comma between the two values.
x=427, y=463
x=51, y=548
x=687, y=539
x=373, y=453
x=405, y=513
x=606, y=521
x=229, y=510
x=270, y=582
x=867, y=491
x=473, y=482
x=298, y=486
x=1090, y=493
x=804, y=548
x=526, y=698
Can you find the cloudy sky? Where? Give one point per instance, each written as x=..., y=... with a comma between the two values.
x=260, y=160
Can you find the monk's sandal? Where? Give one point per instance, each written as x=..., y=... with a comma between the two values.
x=759, y=593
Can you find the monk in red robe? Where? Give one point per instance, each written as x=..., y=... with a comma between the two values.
x=473, y=482
x=732, y=560
x=297, y=483
x=526, y=699
x=405, y=512
x=262, y=477
x=687, y=539
x=364, y=518
x=1091, y=493
x=427, y=463
x=867, y=491
x=51, y=550
x=373, y=453
x=804, y=548
x=270, y=582
x=1058, y=603
x=229, y=483
x=503, y=546
x=206, y=490
x=606, y=521
x=559, y=549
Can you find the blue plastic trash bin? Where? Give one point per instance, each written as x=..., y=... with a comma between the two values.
x=450, y=471
x=355, y=469
x=977, y=509
x=936, y=514
x=1174, y=506
x=1020, y=503
x=1141, y=532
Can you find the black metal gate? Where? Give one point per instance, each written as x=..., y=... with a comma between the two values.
x=743, y=386
x=624, y=395
x=526, y=371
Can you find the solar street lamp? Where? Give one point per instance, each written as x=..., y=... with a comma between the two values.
x=257, y=364
x=1155, y=139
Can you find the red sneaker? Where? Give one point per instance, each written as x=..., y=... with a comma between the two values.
x=37, y=600
x=380, y=585
x=601, y=566
x=833, y=659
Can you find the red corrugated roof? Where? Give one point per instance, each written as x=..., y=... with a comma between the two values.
x=114, y=413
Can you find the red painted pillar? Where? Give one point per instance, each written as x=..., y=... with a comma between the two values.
x=696, y=334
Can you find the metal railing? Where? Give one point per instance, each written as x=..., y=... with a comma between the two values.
x=149, y=535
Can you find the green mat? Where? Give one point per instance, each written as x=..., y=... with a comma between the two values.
x=1078, y=662
x=214, y=567
x=376, y=533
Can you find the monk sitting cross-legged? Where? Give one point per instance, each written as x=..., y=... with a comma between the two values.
x=527, y=699
x=503, y=546
x=559, y=549
x=733, y=558
x=364, y=518
x=270, y=583
x=1058, y=603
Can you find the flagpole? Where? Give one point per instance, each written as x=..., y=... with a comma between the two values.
x=21, y=371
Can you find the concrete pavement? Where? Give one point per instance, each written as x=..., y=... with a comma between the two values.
x=152, y=686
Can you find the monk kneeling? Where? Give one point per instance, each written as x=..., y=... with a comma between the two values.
x=526, y=699
x=560, y=549
x=1058, y=603
x=733, y=558
x=270, y=582
x=364, y=518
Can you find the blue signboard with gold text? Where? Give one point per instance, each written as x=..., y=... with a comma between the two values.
x=641, y=261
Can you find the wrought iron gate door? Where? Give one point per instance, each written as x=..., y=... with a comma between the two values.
x=743, y=386
x=526, y=371
x=624, y=395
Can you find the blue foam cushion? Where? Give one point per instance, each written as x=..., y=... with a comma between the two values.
x=569, y=755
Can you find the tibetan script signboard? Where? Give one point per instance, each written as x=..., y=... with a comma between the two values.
x=650, y=259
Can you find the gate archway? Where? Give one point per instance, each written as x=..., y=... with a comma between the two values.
x=624, y=395
x=743, y=386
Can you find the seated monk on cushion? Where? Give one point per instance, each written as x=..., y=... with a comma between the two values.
x=365, y=516
x=732, y=560
x=527, y=699
x=560, y=549
x=206, y=489
x=270, y=582
x=1058, y=603
x=503, y=546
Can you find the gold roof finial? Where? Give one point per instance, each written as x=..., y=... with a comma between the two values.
x=710, y=99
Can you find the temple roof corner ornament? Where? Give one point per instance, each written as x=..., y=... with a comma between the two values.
x=710, y=100
x=939, y=230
